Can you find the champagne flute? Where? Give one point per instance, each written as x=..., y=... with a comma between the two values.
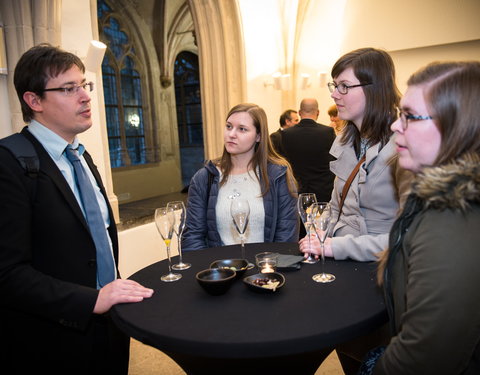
x=164, y=225
x=178, y=217
x=305, y=204
x=322, y=219
x=240, y=211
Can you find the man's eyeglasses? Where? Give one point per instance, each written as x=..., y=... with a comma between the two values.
x=405, y=117
x=342, y=88
x=72, y=90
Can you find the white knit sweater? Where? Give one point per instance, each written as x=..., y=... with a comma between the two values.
x=245, y=186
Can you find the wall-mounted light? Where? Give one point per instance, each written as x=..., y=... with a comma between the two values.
x=3, y=54
x=275, y=82
x=280, y=81
x=322, y=79
x=285, y=82
x=96, y=51
x=305, y=81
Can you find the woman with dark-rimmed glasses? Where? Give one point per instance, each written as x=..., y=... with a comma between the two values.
x=366, y=96
x=430, y=273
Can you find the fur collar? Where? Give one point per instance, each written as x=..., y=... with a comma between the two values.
x=455, y=185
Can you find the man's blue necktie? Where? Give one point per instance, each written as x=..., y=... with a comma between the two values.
x=105, y=266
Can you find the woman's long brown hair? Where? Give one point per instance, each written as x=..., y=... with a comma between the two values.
x=264, y=151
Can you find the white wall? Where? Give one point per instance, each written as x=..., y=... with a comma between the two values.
x=396, y=25
x=265, y=54
x=410, y=60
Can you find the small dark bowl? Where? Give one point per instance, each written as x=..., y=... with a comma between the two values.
x=253, y=282
x=238, y=265
x=216, y=281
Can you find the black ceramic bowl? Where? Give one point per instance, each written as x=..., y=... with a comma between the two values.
x=216, y=281
x=237, y=265
x=265, y=282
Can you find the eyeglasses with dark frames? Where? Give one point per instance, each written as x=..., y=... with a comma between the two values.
x=72, y=90
x=343, y=88
x=405, y=117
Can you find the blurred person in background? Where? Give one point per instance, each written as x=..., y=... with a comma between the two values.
x=335, y=122
x=287, y=119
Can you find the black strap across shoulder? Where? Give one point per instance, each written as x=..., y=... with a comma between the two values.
x=24, y=152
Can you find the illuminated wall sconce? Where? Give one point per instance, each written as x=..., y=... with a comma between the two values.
x=322, y=79
x=285, y=82
x=96, y=51
x=305, y=81
x=3, y=54
x=280, y=81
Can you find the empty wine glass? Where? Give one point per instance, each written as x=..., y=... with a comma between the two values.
x=322, y=218
x=305, y=204
x=240, y=211
x=179, y=214
x=164, y=223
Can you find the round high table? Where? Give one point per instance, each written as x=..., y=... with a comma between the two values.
x=289, y=331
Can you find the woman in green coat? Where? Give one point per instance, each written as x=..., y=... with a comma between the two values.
x=430, y=274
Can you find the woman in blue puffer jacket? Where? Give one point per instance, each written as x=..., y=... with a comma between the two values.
x=248, y=169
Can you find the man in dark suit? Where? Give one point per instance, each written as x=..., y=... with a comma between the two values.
x=287, y=119
x=307, y=147
x=55, y=301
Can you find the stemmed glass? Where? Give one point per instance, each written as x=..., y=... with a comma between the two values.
x=240, y=211
x=164, y=223
x=305, y=204
x=178, y=217
x=321, y=220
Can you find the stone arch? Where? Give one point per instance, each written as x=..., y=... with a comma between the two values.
x=222, y=65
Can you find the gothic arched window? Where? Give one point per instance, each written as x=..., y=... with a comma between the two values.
x=122, y=86
x=189, y=114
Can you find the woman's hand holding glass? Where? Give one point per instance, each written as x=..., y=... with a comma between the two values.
x=315, y=246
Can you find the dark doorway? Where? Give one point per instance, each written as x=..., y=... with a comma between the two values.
x=189, y=114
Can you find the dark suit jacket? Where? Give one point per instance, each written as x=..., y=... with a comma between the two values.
x=307, y=146
x=276, y=138
x=48, y=270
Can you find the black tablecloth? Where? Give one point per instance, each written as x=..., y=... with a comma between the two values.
x=303, y=316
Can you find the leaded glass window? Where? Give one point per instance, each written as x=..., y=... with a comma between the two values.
x=122, y=84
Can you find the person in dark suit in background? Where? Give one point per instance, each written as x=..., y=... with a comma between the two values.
x=55, y=300
x=287, y=119
x=307, y=147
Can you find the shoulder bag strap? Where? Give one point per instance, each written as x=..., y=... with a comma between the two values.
x=350, y=178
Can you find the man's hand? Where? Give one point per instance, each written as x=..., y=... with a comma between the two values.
x=120, y=291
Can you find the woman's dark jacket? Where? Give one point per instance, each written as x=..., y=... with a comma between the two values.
x=281, y=218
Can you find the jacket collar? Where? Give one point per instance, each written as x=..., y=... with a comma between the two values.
x=453, y=185
x=307, y=122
